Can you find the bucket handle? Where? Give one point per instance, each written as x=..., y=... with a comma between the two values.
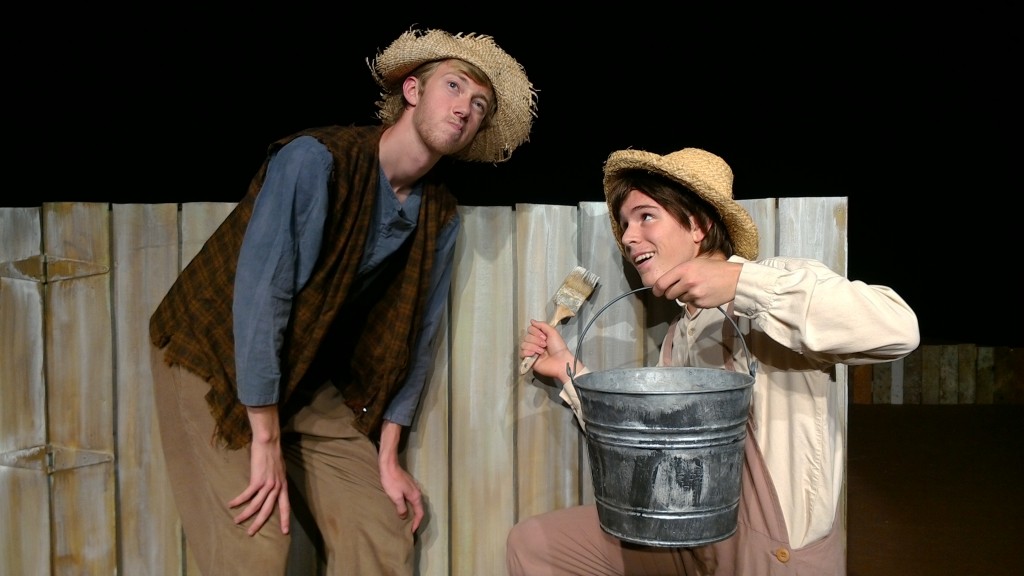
x=571, y=370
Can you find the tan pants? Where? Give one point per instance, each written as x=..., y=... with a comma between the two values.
x=333, y=480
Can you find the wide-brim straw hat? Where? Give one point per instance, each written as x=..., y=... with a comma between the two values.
x=699, y=171
x=516, y=98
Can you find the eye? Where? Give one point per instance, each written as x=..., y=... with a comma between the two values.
x=480, y=105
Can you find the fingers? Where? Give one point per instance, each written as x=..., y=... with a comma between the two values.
x=285, y=506
x=417, y=512
x=535, y=340
x=266, y=508
x=260, y=503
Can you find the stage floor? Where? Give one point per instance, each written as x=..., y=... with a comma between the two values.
x=935, y=490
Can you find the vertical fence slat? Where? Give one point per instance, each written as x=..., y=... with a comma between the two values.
x=763, y=212
x=145, y=265
x=79, y=382
x=427, y=456
x=25, y=524
x=967, y=368
x=896, y=391
x=484, y=372
x=1008, y=385
x=931, y=360
x=912, y=375
x=547, y=476
x=949, y=367
x=881, y=383
x=985, y=385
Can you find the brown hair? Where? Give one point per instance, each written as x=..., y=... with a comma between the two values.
x=678, y=201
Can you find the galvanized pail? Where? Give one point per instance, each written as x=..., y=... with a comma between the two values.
x=666, y=449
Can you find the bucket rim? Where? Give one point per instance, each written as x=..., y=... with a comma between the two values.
x=744, y=380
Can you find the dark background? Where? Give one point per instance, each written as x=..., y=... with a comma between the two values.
x=912, y=115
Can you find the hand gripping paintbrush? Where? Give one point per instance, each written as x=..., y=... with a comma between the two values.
x=576, y=288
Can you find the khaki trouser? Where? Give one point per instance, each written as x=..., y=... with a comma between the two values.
x=333, y=480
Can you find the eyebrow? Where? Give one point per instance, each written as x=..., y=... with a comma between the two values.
x=647, y=206
x=483, y=94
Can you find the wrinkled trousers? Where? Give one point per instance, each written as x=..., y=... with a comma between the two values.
x=333, y=480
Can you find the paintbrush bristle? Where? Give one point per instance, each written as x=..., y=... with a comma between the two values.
x=576, y=288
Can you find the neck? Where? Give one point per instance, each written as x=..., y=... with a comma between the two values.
x=404, y=159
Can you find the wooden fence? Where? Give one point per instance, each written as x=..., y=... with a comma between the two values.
x=81, y=469
x=943, y=374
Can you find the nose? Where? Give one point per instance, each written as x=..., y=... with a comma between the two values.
x=628, y=237
x=462, y=106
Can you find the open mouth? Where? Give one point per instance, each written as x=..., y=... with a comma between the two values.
x=642, y=258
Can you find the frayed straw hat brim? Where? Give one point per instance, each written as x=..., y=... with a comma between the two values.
x=701, y=172
x=516, y=98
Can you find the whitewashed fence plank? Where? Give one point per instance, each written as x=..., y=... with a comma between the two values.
x=80, y=394
x=547, y=474
x=484, y=372
x=427, y=456
x=145, y=253
x=765, y=216
x=25, y=524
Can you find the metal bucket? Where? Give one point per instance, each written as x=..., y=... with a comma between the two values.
x=666, y=449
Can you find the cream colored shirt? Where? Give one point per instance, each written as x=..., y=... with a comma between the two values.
x=800, y=319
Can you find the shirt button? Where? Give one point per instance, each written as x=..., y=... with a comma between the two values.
x=782, y=554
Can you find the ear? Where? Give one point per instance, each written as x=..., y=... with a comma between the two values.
x=696, y=231
x=411, y=89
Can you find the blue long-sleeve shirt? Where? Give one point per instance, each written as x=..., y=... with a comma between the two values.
x=280, y=248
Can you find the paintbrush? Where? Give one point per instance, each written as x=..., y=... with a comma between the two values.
x=576, y=288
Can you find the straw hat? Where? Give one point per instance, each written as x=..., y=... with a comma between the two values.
x=516, y=98
x=701, y=172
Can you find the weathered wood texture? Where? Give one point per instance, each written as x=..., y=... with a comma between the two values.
x=81, y=467
x=944, y=374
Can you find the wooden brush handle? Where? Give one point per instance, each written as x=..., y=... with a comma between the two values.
x=561, y=313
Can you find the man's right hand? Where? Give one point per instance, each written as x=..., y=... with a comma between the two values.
x=268, y=481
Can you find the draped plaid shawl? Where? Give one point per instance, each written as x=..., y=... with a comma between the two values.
x=360, y=338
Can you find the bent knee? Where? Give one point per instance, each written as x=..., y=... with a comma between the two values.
x=525, y=541
x=521, y=535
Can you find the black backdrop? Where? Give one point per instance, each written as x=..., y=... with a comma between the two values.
x=911, y=115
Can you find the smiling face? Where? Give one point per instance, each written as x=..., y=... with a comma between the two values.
x=449, y=107
x=653, y=239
